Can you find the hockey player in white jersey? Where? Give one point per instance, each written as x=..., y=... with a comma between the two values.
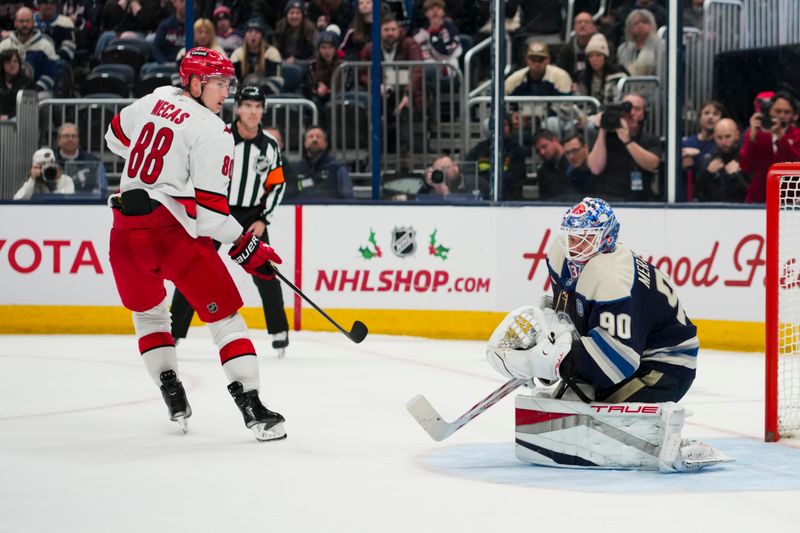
x=178, y=161
x=613, y=331
x=256, y=190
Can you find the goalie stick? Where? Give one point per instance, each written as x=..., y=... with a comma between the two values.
x=437, y=427
x=356, y=334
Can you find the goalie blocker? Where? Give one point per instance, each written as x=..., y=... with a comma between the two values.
x=573, y=434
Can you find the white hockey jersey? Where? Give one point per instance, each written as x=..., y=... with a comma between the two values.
x=182, y=155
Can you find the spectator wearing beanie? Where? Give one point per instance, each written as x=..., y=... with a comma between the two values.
x=572, y=56
x=295, y=34
x=227, y=36
x=256, y=62
x=320, y=69
x=599, y=78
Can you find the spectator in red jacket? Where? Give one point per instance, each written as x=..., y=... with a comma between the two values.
x=396, y=46
x=771, y=138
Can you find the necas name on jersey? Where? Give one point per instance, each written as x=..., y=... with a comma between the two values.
x=169, y=111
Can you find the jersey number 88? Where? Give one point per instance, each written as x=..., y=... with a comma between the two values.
x=151, y=162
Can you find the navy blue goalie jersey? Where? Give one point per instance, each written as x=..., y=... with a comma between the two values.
x=628, y=316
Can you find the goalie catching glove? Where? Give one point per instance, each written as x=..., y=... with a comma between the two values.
x=255, y=256
x=530, y=342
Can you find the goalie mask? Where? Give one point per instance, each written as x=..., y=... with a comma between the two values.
x=588, y=229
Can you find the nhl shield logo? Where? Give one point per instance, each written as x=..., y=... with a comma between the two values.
x=404, y=241
x=212, y=307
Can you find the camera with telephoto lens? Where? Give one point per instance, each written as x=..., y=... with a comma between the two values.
x=50, y=172
x=612, y=115
x=763, y=108
x=437, y=175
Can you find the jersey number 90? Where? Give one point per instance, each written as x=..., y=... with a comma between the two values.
x=147, y=155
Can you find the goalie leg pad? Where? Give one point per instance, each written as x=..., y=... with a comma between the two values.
x=571, y=434
x=574, y=434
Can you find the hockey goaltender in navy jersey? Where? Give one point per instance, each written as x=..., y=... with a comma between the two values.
x=631, y=325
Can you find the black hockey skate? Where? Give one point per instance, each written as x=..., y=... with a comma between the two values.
x=265, y=424
x=175, y=398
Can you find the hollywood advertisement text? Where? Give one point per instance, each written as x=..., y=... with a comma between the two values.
x=748, y=258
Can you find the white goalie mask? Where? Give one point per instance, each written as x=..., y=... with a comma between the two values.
x=588, y=229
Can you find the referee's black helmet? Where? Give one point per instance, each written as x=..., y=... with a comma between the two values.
x=251, y=92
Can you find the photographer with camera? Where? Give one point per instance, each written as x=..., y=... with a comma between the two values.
x=771, y=138
x=624, y=156
x=46, y=177
x=442, y=178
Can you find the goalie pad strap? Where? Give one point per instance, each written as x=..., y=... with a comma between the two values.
x=635, y=385
x=568, y=373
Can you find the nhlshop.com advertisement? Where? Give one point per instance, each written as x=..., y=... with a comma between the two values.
x=409, y=258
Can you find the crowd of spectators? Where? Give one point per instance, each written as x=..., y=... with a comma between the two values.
x=52, y=45
x=721, y=164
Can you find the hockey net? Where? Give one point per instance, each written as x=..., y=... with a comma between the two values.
x=782, y=415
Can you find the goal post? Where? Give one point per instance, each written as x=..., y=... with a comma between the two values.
x=782, y=313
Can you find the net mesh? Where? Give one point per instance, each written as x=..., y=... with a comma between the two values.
x=789, y=307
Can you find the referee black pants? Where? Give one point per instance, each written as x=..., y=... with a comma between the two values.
x=271, y=300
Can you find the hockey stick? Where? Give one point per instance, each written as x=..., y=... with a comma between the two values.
x=439, y=428
x=356, y=334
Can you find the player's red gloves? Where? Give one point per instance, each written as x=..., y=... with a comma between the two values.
x=255, y=256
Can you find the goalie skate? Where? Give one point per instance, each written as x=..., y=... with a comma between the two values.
x=265, y=424
x=696, y=455
x=175, y=397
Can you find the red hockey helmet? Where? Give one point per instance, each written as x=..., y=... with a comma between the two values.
x=206, y=63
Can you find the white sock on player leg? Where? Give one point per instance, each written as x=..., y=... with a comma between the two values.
x=237, y=353
x=155, y=340
x=243, y=369
x=160, y=360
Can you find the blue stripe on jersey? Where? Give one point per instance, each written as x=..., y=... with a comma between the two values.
x=682, y=360
x=683, y=355
x=688, y=347
x=621, y=359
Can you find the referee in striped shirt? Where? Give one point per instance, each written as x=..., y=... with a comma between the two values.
x=256, y=189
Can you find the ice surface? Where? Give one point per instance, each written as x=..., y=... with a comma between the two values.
x=86, y=445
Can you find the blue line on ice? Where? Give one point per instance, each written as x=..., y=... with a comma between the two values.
x=759, y=467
